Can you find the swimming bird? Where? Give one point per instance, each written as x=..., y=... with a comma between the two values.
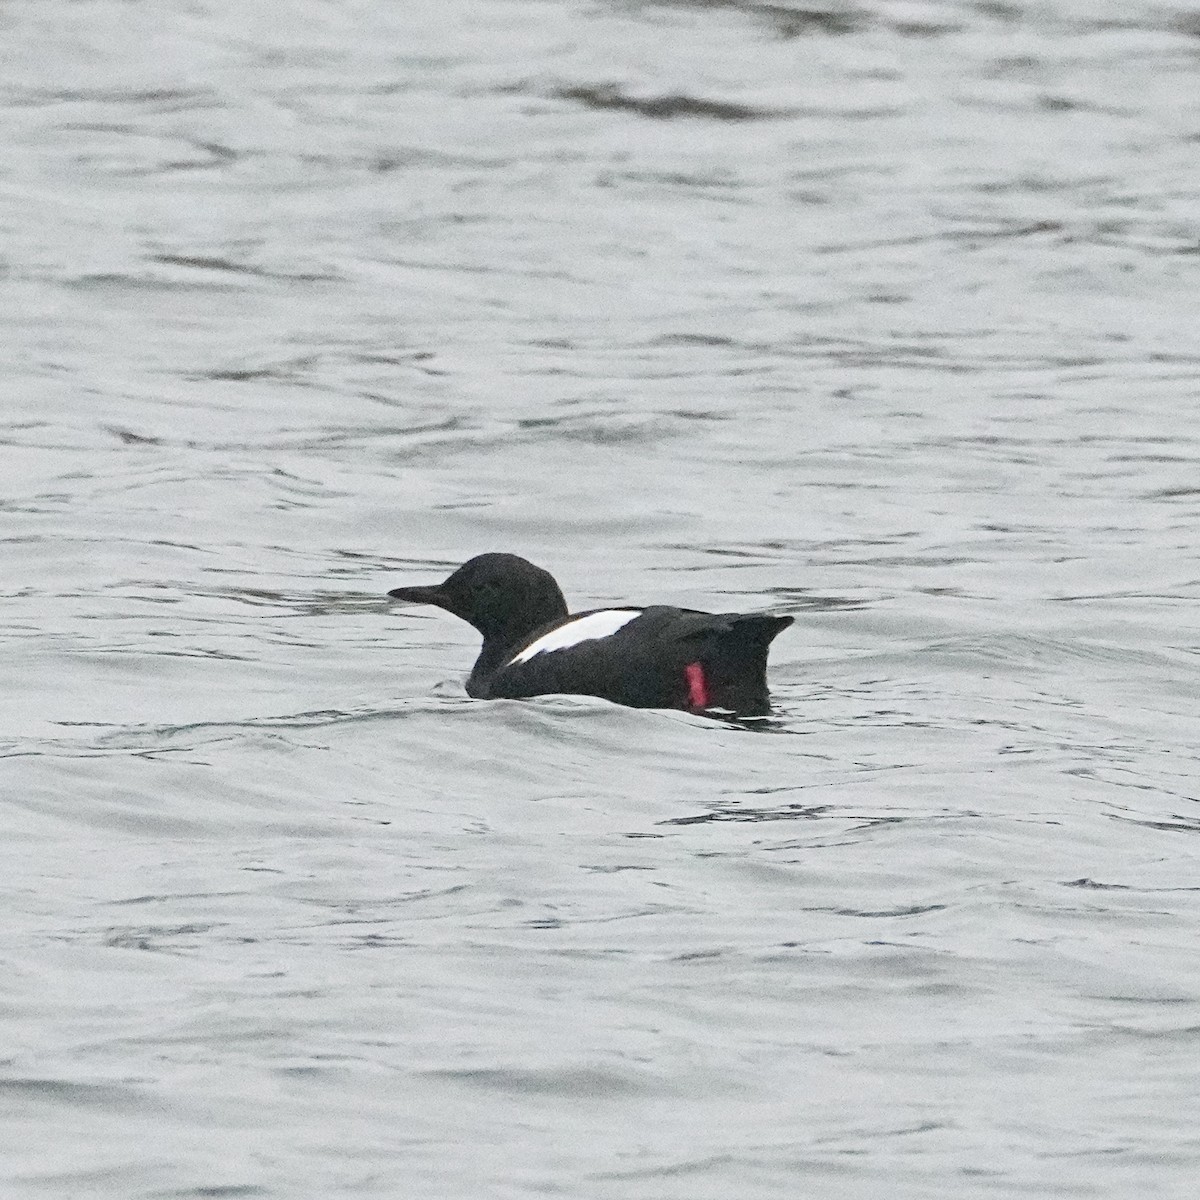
x=644, y=657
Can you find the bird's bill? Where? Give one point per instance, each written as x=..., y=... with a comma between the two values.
x=429, y=594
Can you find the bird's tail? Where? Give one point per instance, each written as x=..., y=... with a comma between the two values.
x=732, y=664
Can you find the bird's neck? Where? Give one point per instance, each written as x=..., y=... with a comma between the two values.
x=498, y=649
x=494, y=653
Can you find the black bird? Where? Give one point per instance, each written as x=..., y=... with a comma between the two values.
x=656, y=657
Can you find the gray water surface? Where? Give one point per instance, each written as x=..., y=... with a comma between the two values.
x=882, y=315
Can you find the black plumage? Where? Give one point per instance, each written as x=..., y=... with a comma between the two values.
x=645, y=657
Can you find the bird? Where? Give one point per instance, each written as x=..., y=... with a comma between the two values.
x=654, y=656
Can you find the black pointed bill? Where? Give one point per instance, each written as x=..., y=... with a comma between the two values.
x=429, y=594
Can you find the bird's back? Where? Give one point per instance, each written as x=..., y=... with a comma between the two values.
x=657, y=657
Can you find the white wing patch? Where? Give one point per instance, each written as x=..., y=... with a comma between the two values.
x=583, y=629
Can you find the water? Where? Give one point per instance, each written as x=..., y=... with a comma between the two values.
x=882, y=315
